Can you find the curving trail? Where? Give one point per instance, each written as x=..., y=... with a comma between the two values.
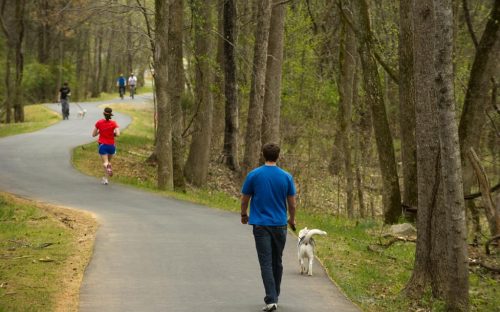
x=153, y=253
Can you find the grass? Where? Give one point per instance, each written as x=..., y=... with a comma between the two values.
x=36, y=117
x=38, y=268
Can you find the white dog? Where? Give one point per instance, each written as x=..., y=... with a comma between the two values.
x=306, y=249
x=81, y=114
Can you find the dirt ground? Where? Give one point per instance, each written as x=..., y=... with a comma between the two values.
x=84, y=226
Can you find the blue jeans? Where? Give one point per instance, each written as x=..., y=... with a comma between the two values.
x=270, y=242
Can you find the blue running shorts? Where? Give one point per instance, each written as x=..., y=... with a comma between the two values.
x=107, y=149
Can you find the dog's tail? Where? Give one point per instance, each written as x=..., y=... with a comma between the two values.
x=310, y=234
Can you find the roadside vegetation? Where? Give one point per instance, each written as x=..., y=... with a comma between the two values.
x=43, y=253
x=369, y=269
x=37, y=117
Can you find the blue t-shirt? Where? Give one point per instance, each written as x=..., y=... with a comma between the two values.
x=269, y=187
x=121, y=81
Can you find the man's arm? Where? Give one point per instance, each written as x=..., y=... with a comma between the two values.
x=245, y=199
x=291, y=210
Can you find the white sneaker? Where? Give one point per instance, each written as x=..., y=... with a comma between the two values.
x=270, y=307
x=104, y=181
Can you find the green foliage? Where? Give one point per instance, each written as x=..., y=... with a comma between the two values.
x=40, y=81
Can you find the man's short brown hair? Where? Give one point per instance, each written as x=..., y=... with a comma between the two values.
x=271, y=152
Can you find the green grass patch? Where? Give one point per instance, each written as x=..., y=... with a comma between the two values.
x=374, y=280
x=36, y=117
x=34, y=248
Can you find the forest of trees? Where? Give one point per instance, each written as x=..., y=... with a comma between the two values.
x=382, y=108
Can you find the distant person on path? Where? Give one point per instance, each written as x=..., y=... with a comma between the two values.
x=64, y=94
x=132, y=81
x=270, y=190
x=121, y=83
x=107, y=130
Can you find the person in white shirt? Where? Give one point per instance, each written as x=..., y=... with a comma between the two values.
x=132, y=81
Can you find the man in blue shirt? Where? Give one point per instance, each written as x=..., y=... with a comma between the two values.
x=271, y=193
x=121, y=82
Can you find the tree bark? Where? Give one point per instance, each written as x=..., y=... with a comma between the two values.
x=342, y=145
x=196, y=169
x=164, y=133
x=257, y=88
x=407, y=105
x=457, y=296
x=272, y=96
x=373, y=89
x=430, y=255
x=176, y=89
x=231, y=128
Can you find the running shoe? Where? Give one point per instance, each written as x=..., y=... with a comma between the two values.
x=270, y=307
x=109, y=171
x=104, y=181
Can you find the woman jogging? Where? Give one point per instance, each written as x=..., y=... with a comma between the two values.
x=107, y=129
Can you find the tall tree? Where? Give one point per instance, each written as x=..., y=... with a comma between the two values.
x=196, y=168
x=407, y=105
x=373, y=89
x=272, y=96
x=457, y=297
x=341, y=155
x=257, y=87
x=430, y=255
x=164, y=132
x=176, y=88
x=231, y=127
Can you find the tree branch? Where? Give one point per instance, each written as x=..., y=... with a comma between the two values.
x=469, y=23
x=377, y=56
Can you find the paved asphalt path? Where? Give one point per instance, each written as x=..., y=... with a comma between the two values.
x=153, y=253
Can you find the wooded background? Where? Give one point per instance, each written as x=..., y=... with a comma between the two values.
x=378, y=105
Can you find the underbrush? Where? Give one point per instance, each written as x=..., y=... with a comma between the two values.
x=374, y=280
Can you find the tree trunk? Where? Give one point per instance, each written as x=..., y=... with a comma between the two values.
x=407, y=105
x=272, y=96
x=231, y=129
x=473, y=116
x=257, y=88
x=164, y=133
x=429, y=267
x=176, y=89
x=196, y=169
x=373, y=89
x=342, y=147
x=457, y=297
